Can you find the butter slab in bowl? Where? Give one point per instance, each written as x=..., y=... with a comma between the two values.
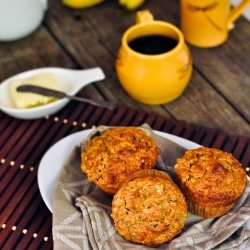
x=30, y=100
x=70, y=81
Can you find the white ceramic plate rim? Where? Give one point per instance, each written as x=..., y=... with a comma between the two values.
x=51, y=165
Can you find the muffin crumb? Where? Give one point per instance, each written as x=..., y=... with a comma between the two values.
x=149, y=208
x=211, y=180
x=110, y=158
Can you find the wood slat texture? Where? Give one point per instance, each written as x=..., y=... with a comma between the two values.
x=25, y=219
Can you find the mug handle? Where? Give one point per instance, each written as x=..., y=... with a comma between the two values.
x=143, y=16
x=236, y=12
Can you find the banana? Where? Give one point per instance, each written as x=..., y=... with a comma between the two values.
x=81, y=4
x=131, y=4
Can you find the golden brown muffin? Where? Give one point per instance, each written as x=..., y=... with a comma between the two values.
x=211, y=180
x=149, y=208
x=111, y=157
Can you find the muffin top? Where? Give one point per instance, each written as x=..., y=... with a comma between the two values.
x=210, y=177
x=149, y=208
x=111, y=157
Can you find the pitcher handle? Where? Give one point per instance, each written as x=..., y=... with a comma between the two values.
x=143, y=16
x=236, y=12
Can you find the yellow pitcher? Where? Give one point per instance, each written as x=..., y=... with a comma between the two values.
x=206, y=23
x=159, y=77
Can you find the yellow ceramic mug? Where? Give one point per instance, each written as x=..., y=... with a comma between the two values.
x=153, y=78
x=205, y=23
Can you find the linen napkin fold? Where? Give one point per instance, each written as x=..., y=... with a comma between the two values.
x=81, y=211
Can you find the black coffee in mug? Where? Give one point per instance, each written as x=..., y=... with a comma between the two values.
x=152, y=44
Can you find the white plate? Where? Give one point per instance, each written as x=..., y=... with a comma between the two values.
x=51, y=165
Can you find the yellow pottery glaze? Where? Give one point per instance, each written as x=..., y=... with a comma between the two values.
x=206, y=23
x=153, y=79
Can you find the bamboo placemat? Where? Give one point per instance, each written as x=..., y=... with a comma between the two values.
x=25, y=220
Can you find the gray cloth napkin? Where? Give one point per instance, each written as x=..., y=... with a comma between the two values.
x=81, y=211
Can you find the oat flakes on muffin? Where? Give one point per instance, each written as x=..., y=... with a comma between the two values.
x=149, y=208
x=110, y=158
x=211, y=180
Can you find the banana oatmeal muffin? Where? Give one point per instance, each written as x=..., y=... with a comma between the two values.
x=110, y=158
x=211, y=180
x=149, y=208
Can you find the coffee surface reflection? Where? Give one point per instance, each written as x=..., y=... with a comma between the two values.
x=153, y=44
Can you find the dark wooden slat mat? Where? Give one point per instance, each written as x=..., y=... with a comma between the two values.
x=25, y=220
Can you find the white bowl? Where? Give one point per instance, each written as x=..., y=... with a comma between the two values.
x=70, y=81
